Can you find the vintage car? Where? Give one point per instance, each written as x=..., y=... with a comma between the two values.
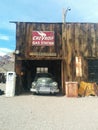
x=44, y=83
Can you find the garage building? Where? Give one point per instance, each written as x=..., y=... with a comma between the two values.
x=69, y=51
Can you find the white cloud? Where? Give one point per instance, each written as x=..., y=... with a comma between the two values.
x=4, y=37
x=4, y=51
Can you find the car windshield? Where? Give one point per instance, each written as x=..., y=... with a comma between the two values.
x=43, y=75
x=45, y=80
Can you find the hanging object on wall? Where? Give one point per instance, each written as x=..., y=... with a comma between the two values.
x=78, y=60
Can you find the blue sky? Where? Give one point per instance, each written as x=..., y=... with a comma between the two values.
x=41, y=11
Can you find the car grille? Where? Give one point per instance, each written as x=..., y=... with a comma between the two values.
x=42, y=85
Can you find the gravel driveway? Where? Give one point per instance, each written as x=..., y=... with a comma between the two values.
x=40, y=112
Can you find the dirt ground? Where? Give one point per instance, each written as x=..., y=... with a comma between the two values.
x=45, y=112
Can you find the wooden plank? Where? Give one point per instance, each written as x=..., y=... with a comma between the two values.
x=20, y=38
x=84, y=38
x=63, y=78
x=69, y=50
x=93, y=36
x=64, y=41
x=90, y=40
x=96, y=39
x=18, y=67
x=28, y=39
x=77, y=37
x=84, y=70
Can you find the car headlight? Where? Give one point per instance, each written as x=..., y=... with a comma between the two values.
x=54, y=84
x=33, y=85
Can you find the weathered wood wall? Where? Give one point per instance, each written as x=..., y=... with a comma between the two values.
x=71, y=40
x=79, y=39
x=24, y=45
x=24, y=39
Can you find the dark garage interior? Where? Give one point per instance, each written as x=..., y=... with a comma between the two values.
x=29, y=69
x=93, y=70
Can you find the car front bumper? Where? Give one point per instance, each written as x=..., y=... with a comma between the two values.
x=44, y=90
x=33, y=90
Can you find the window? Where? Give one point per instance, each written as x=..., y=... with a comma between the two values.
x=93, y=70
x=41, y=69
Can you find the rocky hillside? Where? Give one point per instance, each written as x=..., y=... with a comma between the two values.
x=7, y=63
